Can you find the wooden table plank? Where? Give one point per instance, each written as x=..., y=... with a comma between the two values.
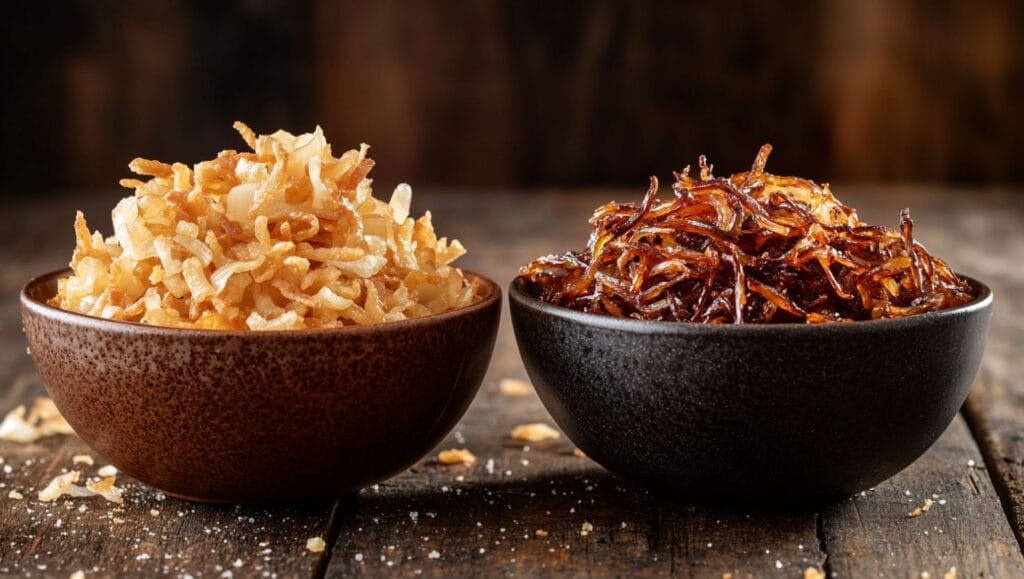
x=875, y=535
x=983, y=236
x=147, y=536
x=503, y=230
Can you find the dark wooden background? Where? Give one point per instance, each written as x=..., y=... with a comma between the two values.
x=528, y=92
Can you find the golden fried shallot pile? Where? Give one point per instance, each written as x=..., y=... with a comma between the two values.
x=284, y=237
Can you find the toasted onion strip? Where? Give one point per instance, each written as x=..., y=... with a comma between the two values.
x=284, y=237
x=750, y=248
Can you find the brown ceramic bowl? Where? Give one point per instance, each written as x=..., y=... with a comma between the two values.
x=249, y=417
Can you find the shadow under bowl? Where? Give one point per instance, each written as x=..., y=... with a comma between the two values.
x=774, y=414
x=256, y=417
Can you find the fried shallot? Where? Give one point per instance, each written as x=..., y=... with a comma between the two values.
x=750, y=248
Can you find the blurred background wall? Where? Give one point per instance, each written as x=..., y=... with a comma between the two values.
x=522, y=92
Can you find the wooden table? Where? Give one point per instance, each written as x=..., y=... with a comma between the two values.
x=482, y=521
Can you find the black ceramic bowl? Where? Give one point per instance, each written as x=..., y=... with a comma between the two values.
x=752, y=413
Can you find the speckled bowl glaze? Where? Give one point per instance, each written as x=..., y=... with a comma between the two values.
x=767, y=414
x=251, y=417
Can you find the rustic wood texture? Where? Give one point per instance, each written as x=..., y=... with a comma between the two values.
x=527, y=92
x=482, y=520
x=149, y=534
x=881, y=532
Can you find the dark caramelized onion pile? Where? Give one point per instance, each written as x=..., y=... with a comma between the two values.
x=751, y=248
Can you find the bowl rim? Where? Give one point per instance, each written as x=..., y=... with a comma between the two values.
x=45, y=310
x=517, y=296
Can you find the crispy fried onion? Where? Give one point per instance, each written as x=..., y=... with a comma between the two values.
x=284, y=237
x=750, y=248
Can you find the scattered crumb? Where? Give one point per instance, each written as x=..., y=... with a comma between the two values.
x=922, y=509
x=154, y=513
x=15, y=495
x=78, y=575
x=315, y=544
x=579, y=453
x=586, y=528
x=456, y=456
x=82, y=459
x=514, y=387
x=106, y=489
x=109, y=470
x=64, y=484
x=970, y=463
x=727, y=575
x=541, y=533
x=42, y=420
x=535, y=432
x=813, y=573
x=951, y=574
x=433, y=555
x=15, y=429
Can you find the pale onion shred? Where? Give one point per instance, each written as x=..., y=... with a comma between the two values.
x=65, y=485
x=284, y=237
x=42, y=420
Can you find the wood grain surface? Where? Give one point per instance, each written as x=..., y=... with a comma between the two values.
x=541, y=510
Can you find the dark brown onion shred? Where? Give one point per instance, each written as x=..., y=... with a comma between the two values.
x=751, y=248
